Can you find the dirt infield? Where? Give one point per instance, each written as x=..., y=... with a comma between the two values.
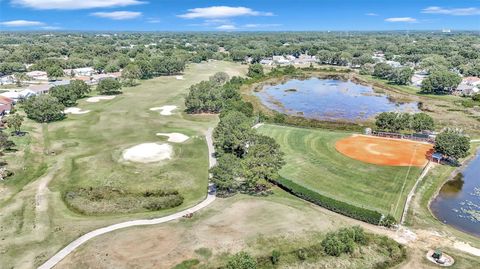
x=384, y=151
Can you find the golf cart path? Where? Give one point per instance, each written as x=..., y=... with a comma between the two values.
x=50, y=263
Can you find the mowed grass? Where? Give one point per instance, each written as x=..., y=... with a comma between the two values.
x=312, y=161
x=87, y=151
x=92, y=143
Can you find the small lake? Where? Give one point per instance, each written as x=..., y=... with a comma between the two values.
x=329, y=99
x=458, y=202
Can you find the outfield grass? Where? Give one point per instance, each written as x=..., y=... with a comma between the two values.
x=312, y=161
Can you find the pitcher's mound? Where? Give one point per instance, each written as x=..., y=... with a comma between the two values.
x=148, y=153
x=385, y=151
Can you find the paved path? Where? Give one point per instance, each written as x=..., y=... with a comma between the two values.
x=50, y=263
x=474, y=140
x=412, y=192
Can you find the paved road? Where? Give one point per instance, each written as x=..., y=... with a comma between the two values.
x=84, y=238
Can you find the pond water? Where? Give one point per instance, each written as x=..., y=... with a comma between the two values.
x=458, y=202
x=329, y=99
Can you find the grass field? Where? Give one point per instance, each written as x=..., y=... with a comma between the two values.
x=313, y=162
x=85, y=151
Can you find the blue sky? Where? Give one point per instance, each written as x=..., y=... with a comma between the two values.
x=240, y=15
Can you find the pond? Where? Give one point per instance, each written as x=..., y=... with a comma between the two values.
x=329, y=99
x=458, y=202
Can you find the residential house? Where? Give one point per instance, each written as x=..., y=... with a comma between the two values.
x=280, y=60
x=418, y=78
x=95, y=79
x=59, y=82
x=14, y=95
x=6, y=105
x=39, y=89
x=266, y=62
x=37, y=75
x=469, y=86
x=394, y=64
x=305, y=59
x=84, y=71
x=7, y=80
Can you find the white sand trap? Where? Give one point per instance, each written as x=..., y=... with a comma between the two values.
x=174, y=137
x=179, y=77
x=97, y=99
x=75, y=110
x=148, y=153
x=164, y=110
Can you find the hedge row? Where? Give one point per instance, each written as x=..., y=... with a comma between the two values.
x=343, y=208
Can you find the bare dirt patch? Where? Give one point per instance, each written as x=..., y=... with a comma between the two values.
x=148, y=153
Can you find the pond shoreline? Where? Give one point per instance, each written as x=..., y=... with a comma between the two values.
x=464, y=165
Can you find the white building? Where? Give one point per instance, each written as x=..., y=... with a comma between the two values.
x=37, y=75
x=8, y=80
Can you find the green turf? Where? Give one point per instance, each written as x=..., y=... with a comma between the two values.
x=313, y=162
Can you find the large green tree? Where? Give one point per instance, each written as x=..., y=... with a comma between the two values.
x=452, y=144
x=54, y=72
x=422, y=122
x=109, y=86
x=440, y=81
x=255, y=71
x=64, y=95
x=44, y=108
x=232, y=133
x=80, y=88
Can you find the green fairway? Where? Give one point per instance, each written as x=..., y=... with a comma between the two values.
x=312, y=161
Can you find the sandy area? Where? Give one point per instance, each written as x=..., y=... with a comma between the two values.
x=97, y=99
x=179, y=77
x=467, y=248
x=164, y=110
x=175, y=137
x=75, y=110
x=148, y=152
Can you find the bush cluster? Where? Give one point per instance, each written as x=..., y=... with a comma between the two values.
x=344, y=241
x=363, y=214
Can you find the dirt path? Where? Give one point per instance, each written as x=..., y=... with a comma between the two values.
x=412, y=192
x=50, y=263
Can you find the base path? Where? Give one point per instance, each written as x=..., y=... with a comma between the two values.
x=50, y=263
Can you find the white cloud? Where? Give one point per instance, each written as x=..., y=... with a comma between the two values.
x=452, y=11
x=401, y=19
x=226, y=27
x=21, y=23
x=74, y=4
x=117, y=15
x=216, y=12
x=51, y=28
x=261, y=25
x=153, y=20
x=371, y=14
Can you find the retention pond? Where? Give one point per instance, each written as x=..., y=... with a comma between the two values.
x=329, y=99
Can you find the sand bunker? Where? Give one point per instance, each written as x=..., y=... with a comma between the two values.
x=97, y=99
x=164, y=110
x=174, y=137
x=148, y=153
x=179, y=77
x=75, y=110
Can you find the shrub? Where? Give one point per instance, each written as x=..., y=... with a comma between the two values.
x=302, y=254
x=343, y=208
x=275, y=256
x=332, y=245
x=241, y=260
